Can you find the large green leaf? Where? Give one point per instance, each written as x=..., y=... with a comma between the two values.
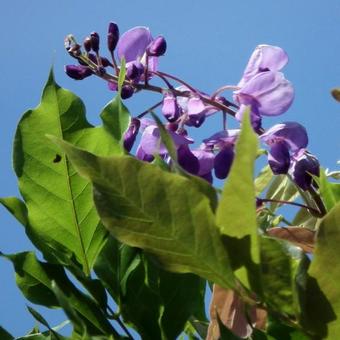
x=277, y=276
x=35, y=278
x=62, y=218
x=320, y=300
x=330, y=191
x=166, y=214
x=236, y=212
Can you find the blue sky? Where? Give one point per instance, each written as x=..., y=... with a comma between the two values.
x=209, y=43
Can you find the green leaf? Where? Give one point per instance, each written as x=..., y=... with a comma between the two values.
x=182, y=296
x=16, y=207
x=4, y=335
x=330, y=192
x=115, y=115
x=140, y=304
x=34, y=278
x=236, y=212
x=263, y=179
x=62, y=217
x=320, y=301
x=37, y=316
x=116, y=118
x=281, y=188
x=163, y=213
x=277, y=276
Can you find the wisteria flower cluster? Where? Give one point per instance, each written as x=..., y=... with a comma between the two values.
x=263, y=88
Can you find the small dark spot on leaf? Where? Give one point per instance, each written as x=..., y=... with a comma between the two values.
x=57, y=158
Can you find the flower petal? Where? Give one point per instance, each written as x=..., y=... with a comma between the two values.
x=187, y=160
x=206, y=161
x=133, y=43
x=279, y=158
x=293, y=133
x=264, y=57
x=269, y=93
x=223, y=161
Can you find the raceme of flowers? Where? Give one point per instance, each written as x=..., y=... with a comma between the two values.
x=263, y=88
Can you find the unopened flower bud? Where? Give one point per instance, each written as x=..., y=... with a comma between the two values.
x=105, y=62
x=157, y=47
x=304, y=166
x=170, y=108
x=87, y=44
x=112, y=36
x=95, y=41
x=131, y=134
x=78, y=72
x=127, y=92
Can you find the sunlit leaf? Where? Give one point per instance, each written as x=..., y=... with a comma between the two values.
x=330, y=192
x=277, y=276
x=236, y=212
x=320, y=295
x=16, y=207
x=61, y=215
x=263, y=179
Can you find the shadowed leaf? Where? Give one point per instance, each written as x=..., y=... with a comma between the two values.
x=166, y=214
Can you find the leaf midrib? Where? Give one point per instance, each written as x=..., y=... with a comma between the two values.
x=70, y=192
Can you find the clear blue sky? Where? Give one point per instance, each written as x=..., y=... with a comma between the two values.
x=209, y=43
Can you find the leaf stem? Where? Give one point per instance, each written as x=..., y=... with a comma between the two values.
x=116, y=317
x=287, y=202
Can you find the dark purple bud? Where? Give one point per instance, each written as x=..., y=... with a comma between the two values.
x=303, y=167
x=105, y=62
x=187, y=160
x=78, y=72
x=135, y=70
x=170, y=108
x=279, y=157
x=223, y=161
x=131, y=134
x=95, y=41
x=87, y=44
x=259, y=203
x=157, y=47
x=127, y=92
x=112, y=36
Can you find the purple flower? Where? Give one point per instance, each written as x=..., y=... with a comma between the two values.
x=133, y=44
x=262, y=86
x=131, y=134
x=284, y=139
x=264, y=58
x=151, y=144
x=293, y=133
x=194, y=108
x=206, y=162
x=157, y=47
x=304, y=166
x=187, y=160
x=224, y=141
x=78, y=72
x=170, y=108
